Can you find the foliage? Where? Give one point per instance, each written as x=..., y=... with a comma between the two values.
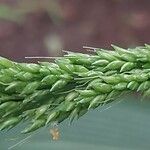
x=47, y=92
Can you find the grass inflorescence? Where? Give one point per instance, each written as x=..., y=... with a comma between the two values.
x=69, y=87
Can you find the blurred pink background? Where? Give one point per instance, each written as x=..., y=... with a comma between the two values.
x=45, y=27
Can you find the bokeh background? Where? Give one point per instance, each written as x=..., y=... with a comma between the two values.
x=44, y=28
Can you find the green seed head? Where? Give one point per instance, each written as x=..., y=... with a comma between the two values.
x=69, y=87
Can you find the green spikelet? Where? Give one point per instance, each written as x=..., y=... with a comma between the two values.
x=45, y=92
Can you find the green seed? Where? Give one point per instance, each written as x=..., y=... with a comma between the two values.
x=7, y=106
x=36, y=125
x=147, y=46
x=86, y=100
x=6, y=79
x=30, y=88
x=10, y=72
x=66, y=77
x=80, y=69
x=112, y=79
x=74, y=114
x=70, y=106
x=49, y=80
x=63, y=116
x=102, y=87
x=97, y=100
x=84, y=61
x=87, y=93
x=28, y=113
x=71, y=96
x=146, y=66
x=120, y=50
x=40, y=111
x=16, y=86
x=67, y=67
x=44, y=71
x=58, y=85
x=6, y=63
x=55, y=71
x=24, y=76
x=112, y=95
x=93, y=82
x=146, y=93
x=144, y=86
x=32, y=68
x=133, y=85
x=141, y=77
x=127, y=78
x=102, y=62
x=121, y=86
x=106, y=56
x=127, y=66
x=114, y=65
x=10, y=122
x=82, y=112
x=52, y=116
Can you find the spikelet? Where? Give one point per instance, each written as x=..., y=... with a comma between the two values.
x=46, y=92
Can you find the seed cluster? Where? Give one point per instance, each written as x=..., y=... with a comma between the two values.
x=69, y=87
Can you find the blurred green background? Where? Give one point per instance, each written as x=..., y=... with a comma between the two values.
x=44, y=28
x=124, y=126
